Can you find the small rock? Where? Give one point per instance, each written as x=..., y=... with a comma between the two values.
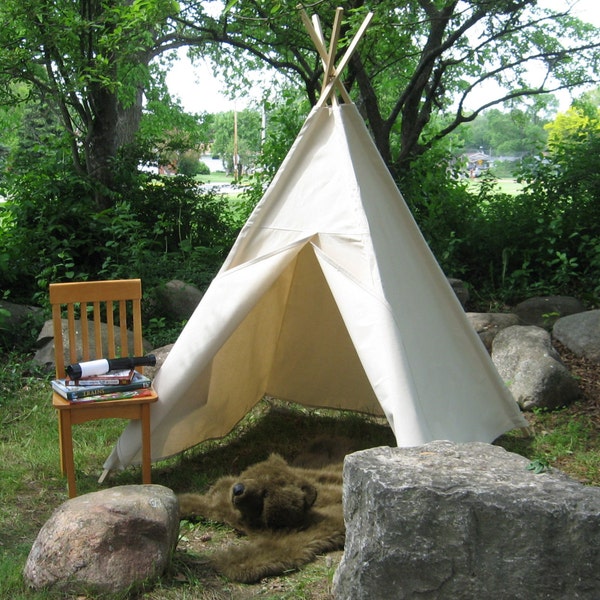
x=487, y=325
x=543, y=311
x=160, y=354
x=580, y=333
x=532, y=369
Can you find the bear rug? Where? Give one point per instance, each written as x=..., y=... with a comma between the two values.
x=287, y=514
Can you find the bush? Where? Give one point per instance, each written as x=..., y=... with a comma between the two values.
x=49, y=233
x=508, y=247
x=190, y=165
x=442, y=207
x=159, y=228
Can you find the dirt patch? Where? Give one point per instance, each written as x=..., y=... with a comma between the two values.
x=587, y=373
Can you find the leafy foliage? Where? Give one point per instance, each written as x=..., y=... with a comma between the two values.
x=514, y=132
x=90, y=61
x=158, y=229
x=542, y=240
x=418, y=61
x=167, y=135
x=564, y=188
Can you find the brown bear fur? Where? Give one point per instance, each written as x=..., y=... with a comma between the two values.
x=290, y=515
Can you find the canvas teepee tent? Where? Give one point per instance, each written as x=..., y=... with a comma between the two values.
x=330, y=297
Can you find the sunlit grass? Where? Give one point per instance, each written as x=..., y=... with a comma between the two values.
x=563, y=439
x=502, y=186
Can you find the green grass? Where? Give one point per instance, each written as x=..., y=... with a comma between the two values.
x=566, y=439
x=217, y=177
x=502, y=186
x=32, y=486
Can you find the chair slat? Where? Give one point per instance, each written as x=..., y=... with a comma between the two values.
x=123, y=328
x=59, y=348
x=85, y=333
x=97, y=317
x=110, y=321
x=72, y=332
x=137, y=326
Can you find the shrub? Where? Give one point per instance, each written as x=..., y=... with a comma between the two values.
x=160, y=228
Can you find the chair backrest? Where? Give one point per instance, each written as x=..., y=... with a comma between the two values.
x=87, y=313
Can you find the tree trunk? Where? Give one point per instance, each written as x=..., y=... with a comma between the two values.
x=112, y=127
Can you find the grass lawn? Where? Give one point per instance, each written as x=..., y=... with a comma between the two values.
x=217, y=177
x=502, y=186
x=32, y=486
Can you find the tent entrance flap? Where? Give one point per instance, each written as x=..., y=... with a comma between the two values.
x=315, y=362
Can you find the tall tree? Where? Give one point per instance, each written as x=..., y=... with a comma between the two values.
x=419, y=58
x=90, y=59
x=507, y=132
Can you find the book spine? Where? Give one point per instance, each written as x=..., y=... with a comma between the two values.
x=97, y=391
x=99, y=381
x=116, y=396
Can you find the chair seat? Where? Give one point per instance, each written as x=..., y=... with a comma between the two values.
x=60, y=403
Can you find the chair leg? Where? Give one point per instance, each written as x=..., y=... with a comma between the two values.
x=60, y=444
x=146, y=447
x=66, y=450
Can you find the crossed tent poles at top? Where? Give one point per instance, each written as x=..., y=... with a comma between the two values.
x=331, y=79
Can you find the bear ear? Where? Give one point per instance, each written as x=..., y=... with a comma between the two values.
x=277, y=459
x=310, y=494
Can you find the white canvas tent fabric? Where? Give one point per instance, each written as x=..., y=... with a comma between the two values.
x=330, y=297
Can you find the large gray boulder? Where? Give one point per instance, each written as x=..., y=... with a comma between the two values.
x=106, y=542
x=177, y=299
x=580, y=333
x=532, y=369
x=543, y=311
x=449, y=521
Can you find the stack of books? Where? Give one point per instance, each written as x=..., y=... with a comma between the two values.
x=113, y=385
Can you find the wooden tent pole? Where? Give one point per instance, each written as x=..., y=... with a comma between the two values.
x=318, y=39
x=335, y=37
x=342, y=64
x=331, y=79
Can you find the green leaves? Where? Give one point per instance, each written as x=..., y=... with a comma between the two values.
x=90, y=62
x=539, y=465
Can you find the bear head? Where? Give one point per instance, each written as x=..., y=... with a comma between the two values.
x=271, y=495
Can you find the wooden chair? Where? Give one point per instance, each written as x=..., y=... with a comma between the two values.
x=88, y=304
